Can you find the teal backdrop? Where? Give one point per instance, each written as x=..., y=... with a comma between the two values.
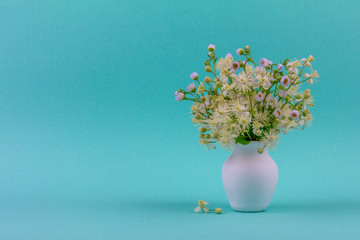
x=93, y=145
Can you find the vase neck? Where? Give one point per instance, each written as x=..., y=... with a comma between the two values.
x=248, y=149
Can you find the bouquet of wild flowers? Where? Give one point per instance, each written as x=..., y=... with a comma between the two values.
x=241, y=101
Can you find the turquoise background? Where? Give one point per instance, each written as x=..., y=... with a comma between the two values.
x=93, y=145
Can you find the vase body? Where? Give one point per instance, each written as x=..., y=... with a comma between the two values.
x=249, y=178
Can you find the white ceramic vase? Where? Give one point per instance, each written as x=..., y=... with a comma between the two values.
x=249, y=178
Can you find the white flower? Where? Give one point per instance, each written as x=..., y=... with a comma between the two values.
x=314, y=75
x=224, y=63
x=283, y=93
x=261, y=116
x=242, y=82
x=245, y=119
x=221, y=113
x=271, y=138
x=201, y=206
x=227, y=140
x=272, y=101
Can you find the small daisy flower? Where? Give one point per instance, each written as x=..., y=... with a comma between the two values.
x=259, y=96
x=194, y=76
x=179, y=96
x=263, y=62
x=201, y=206
x=211, y=47
x=283, y=93
x=278, y=113
x=285, y=81
x=191, y=87
x=235, y=66
x=294, y=114
x=280, y=66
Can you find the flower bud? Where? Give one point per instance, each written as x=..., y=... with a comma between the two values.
x=306, y=112
x=207, y=79
x=194, y=76
x=203, y=129
x=311, y=58
x=218, y=210
x=197, y=116
x=202, y=141
x=218, y=84
x=298, y=96
x=311, y=104
x=207, y=136
x=202, y=99
x=247, y=48
x=201, y=88
x=191, y=87
x=240, y=51
x=208, y=69
x=211, y=47
x=260, y=150
x=202, y=135
x=306, y=75
x=307, y=93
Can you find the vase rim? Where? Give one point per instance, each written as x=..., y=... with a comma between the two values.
x=252, y=146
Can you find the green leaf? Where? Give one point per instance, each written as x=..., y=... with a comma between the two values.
x=242, y=140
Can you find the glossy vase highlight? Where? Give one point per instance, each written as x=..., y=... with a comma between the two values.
x=249, y=178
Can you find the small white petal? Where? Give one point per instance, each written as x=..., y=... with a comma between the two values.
x=205, y=203
x=197, y=209
x=205, y=209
